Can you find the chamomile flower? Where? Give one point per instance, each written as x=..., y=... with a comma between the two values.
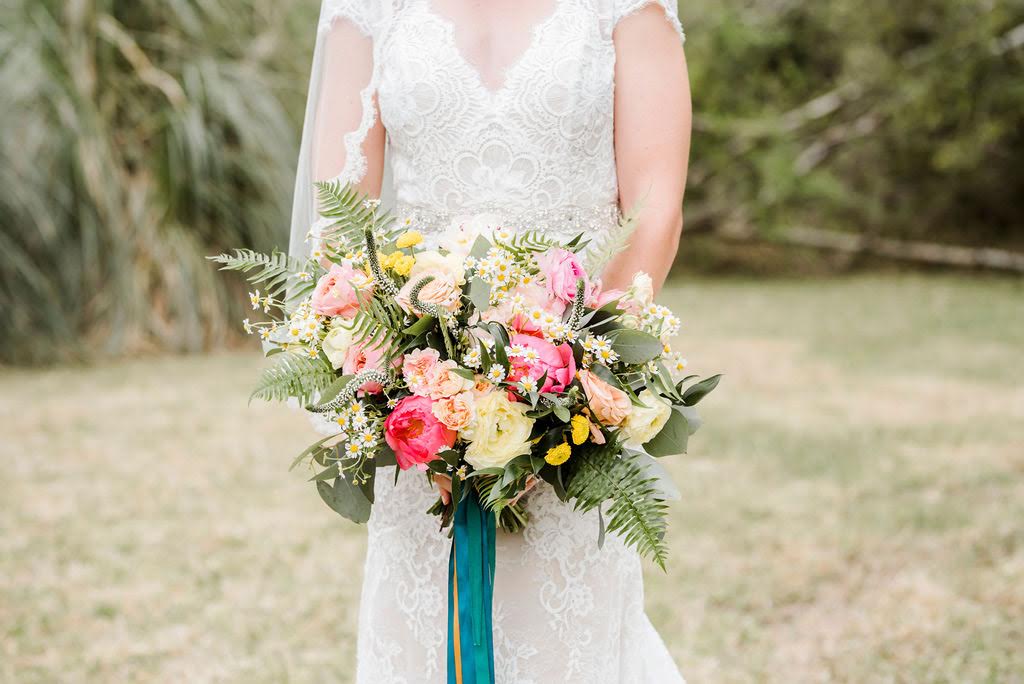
x=265, y=333
x=471, y=359
x=368, y=438
x=254, y=299
x=312, y=352
x=392, y=403
x=360, y=420
x=606, y=356
x=530, y=354
x=247, y=326
x=496, y=373
x=528, y=384
x=516, y=350
x=353, y=448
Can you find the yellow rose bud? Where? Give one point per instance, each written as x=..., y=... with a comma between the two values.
x=559, y=454
x=580, y=429
x=408, y=239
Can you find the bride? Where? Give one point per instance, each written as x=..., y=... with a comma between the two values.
x=539, y=114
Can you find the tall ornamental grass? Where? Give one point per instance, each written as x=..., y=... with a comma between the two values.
x=138, y=136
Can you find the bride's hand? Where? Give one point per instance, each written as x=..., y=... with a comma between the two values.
x=444, y=483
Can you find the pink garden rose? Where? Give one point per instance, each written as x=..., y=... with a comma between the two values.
x=598, y=297
x=360, y=357
x=335, y=295
x=609, y=404
x=415, y=434
x=557, y=362
x=416, y=366
x=561, y=269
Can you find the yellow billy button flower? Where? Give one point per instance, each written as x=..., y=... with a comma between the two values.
x=558, y=455
x=580, y=428
x=409, y=238
x=403, y=265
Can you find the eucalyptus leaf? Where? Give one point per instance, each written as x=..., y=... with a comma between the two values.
x=346, y=499
x=480, y=294
x=635, y=346
x=329, y=474
x=421, y=326
x=694, y=393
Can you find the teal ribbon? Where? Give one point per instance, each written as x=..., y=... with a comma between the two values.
x=471, y=594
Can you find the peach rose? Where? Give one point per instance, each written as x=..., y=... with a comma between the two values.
x=362, y=357
x=415, y=367
x=442, y=381
x=456, y=412
x=610, y=405
x=335, y=293
x=442, y=291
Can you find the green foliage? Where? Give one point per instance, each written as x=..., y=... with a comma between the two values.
x=351, y=213
x=271, y=271
x=139, y=137
x=635, y=509
x=893, y=119
x=292, y=374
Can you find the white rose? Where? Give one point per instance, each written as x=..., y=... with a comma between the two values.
x=434, y=263
x=337, y=343
x=644, y=422
x=499, y=431
x=461, y=234
x=642, y=289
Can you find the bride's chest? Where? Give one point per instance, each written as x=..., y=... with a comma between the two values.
x=558, y=81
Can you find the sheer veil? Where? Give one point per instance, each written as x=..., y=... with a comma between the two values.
x=341, y=109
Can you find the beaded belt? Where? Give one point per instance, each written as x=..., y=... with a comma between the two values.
x=564, y=222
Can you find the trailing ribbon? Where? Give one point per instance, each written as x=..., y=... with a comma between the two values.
x=470, y=594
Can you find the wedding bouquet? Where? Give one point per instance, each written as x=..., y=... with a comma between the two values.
x=495, y=360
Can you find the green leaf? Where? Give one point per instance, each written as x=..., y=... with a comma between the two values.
x=635, y=346
x=480, y=247
x=345, y=499
x=421, y=326
x=480, y=294
x=329, y=474
x=672, y=438
x=694, y=393
x=309, y=451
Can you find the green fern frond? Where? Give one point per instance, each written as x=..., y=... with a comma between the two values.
x=292, y=374
x=275, y=272
x=352, y=212
x=636, y=512
x=600, y=252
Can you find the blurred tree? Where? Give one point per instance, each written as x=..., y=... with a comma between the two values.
x=139, y=135
x=897, y=119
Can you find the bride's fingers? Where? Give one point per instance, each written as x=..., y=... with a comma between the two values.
x=444, y=484
x=531, y=482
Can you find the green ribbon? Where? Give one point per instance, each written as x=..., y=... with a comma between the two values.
x=471, y=594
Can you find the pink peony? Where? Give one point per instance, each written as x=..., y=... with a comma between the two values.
x=415, y=434
x=360, y=357
x=557, y=362
x=416, y=366
x=609, y=404
x=561, y=269
x=335, y=295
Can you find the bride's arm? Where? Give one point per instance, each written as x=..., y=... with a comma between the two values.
x=652, y=141
x=348, y=65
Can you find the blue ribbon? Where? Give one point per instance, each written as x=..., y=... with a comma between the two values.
x=470, y=594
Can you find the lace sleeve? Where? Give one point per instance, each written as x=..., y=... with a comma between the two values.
x=341, y=111
x=624, y=8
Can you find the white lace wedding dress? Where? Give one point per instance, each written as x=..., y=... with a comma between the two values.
x=537, y=149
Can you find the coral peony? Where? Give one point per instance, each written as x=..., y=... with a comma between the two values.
x=415, y=434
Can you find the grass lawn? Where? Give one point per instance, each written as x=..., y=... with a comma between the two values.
x=853, y=511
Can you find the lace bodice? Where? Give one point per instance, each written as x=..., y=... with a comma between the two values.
x=542, y=139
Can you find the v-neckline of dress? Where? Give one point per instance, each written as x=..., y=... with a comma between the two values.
x=491, y=94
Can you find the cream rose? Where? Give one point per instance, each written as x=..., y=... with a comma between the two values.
x=433, y=262
x=337, y=343
x=456, y=412
x=499, y=432
x=644, y=422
